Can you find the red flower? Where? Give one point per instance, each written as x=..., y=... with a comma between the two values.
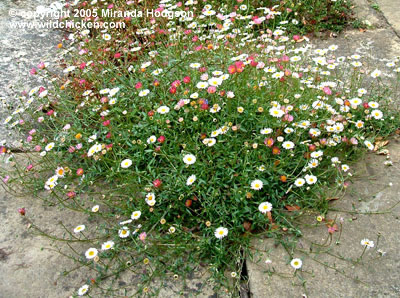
x=138, y=85
x=21, y=211
x=161, y=139
x=71, y=194
x=186, y=80
x=150, y=113
x=157, y=183
x=117, y=55
x=176, y=83
x=204, y=106
x=172, y=90
x=106, y=123
x=79, y=172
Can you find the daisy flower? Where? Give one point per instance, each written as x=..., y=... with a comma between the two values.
x=367, y=243
x=299, y=182
x=209, y=142
x=377, y=114
x=189, y=159
x=171, y=230
x=359, y=124
x=202, y=85
x=151, y=140
x=345, y=168
x=369, y=145
x=266, y=131
x=60, y=172
x=107, y=245
x=124, y=232
x=151, y=199
x=95, y=208
x=126, y=163
x=376, y=73
x=296, y=263
x=191, y=180
x=49, y=146
x=221, y=232
x=313, y=163
x=275, y=112
x=83, y=290
x=311, y=179
x=195, y=65
x=288, y=145
x=91, y=253
x=373, y=104
x=316, y=154
x=144, y=92
x=265, y=207
x=257, y=184
x=79, y=228
x=163, y=110
x=136, y=215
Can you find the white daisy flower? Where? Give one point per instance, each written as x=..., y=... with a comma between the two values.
x=299, y=182
x=191, y=180
x=136, y=215
x=288, y=145
x=265, y=207
x=79, y=228
x=189, y=159
x=209, y=142
x=221, y=232
x=163, y=110
x=257, y=184
x=83, y=290
x=126, y=163
x=144, y=92
x=107, y=245
x=151, y=140
x=91, y=253
x=367, y=243
x=369, y=145
x=49, y=146
x=296, y=263
x=124, y=232
x=311, y=179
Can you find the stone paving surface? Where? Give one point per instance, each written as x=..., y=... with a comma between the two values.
x=379, y=276
x=32, y=267
x=20, y=50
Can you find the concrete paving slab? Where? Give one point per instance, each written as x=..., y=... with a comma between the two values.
x=30, y=265
x=20, y=50
x=391, y=11
x=327, y=269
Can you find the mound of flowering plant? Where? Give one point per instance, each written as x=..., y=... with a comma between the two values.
x=183, y=146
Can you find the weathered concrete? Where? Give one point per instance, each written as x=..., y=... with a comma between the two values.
x=20, y=50
x=366, y=14
x=379, y=275
x=30, y=265
x=391, y=12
